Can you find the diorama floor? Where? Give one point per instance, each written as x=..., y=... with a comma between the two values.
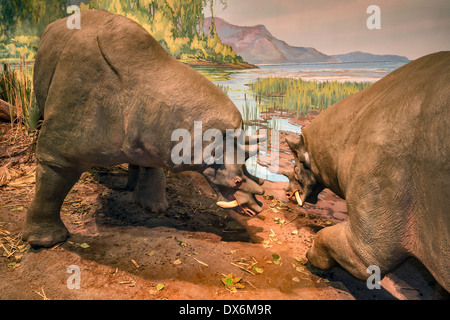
x=195, y=250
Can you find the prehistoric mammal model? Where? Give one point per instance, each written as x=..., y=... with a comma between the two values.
x=386, y=150
x=110, y=94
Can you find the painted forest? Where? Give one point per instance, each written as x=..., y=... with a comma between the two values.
x=176, y=24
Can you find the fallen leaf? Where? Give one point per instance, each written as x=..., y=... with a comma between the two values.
x=258, y=269
x=239, y=286
x=181, y=243
x=294, y=232
x=84, y=245
x=177, y=262
x=17, y=209
x=156, y=290
x=276, y=260
x=232, y=283
x=159, y=286
x=228, y=281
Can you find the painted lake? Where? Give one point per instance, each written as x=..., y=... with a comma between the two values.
x=235, y=83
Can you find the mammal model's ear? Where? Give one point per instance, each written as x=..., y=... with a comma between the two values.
x=298, y=148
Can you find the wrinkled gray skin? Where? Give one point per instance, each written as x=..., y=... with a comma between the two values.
x=110, y=94
x=386, y=150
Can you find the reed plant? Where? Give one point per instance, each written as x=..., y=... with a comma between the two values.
x=16, y=88
x=300, y=97
x=224, y=88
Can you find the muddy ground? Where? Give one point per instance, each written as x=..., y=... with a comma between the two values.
x=189, y=252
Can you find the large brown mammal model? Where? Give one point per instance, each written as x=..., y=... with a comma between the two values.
x=386, y=151
x=110, y=94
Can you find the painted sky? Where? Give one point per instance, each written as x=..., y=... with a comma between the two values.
x=410, y=28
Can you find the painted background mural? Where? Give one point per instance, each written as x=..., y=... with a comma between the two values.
x=274, y=59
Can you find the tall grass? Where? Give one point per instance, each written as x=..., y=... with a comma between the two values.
x=16, y=88
x=300, y=97
x=224, y=88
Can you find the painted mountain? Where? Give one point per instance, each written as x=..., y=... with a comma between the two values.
x=358, y=56
x=256, y=45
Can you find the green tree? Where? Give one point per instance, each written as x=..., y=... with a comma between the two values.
x=34, y=14
x=23, y=21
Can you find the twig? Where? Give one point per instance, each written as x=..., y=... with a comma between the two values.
x=242, y=268
x=6, y=250
x=135, y=263
x=42, y=294
x=251, y=284
x=13, y=246
x=298, y=216
x=201, y=262
x=56, y=246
